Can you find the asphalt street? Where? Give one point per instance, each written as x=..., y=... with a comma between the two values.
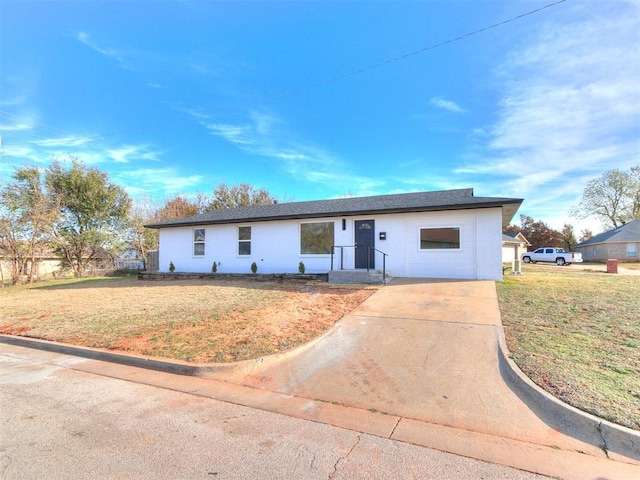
x=60, y=423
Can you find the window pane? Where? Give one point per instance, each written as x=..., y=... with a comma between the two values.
x=632, y=250
x=198, y=235
x=198, y=249
x=316, y=238
x=244, y=233
x=244, y=248
x=439, y=238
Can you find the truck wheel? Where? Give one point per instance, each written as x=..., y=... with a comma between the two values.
x=560, y=261
x=526, y=259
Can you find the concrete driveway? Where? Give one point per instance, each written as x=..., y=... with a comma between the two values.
x=420, y=349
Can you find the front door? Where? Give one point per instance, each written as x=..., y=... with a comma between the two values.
x=365, y=237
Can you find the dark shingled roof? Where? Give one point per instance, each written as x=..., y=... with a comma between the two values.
x=343, y=207
x=629, y=232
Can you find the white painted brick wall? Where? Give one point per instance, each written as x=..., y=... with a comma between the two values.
x=275, y=246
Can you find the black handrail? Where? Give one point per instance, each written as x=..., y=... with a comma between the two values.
x=369, y=248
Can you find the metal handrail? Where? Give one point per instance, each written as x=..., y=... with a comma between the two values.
x=369, y=248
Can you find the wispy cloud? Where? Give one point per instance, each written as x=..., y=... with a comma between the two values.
x=446, y=105
x=169, y=181
x=107, y=51
x=569, y=109
x=265, y=135
x=131, y=153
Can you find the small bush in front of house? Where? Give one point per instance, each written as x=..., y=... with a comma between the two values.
x=301, y=268
x=254, y=267
x=214, y=267
x=172, y=267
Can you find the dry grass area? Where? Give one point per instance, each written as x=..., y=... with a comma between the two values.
x=196, y=321
x=577, y=335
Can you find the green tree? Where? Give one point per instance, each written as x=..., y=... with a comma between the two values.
x=613, y=198
x=93, y=214
x=26, y=219
x=239, y=195
x=568, y=237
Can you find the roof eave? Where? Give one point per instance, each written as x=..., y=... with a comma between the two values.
x=509, y=207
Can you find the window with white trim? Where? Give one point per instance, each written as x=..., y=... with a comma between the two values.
x=316, y=238
x=442, y=238
x=244, y=240
x=198, y=242
x=632, y=250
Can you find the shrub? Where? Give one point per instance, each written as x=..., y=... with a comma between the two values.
x=254, y=267
x=214, y=267
x=172, y=267
x=301, y=268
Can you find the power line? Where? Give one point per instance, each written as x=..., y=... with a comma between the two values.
x=302, y=88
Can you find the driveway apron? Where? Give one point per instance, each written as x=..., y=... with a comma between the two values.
x=419, y=349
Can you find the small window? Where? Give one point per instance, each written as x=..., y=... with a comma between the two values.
x=316, y=238
x=632, y=250
x=244, y=240
x=439, y=238
x=198, y=242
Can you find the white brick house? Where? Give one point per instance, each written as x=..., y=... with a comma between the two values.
x=444, y=234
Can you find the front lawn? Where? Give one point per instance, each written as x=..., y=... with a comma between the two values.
x=197, y=321
x=577, y=335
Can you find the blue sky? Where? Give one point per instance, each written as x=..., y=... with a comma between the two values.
x=315, y=100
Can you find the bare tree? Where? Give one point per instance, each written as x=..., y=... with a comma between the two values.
x=614, y=197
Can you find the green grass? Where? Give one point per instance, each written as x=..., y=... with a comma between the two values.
x=577, y=335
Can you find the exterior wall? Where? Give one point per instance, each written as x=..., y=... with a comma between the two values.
x=508, y=253
x=275, y=246
x=601, y=252
x=45, y=268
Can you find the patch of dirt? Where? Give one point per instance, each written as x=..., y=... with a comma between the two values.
x=296, y=318
x=196, y=321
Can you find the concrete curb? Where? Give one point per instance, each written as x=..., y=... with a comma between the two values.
x=174, y=366
x=610, y=437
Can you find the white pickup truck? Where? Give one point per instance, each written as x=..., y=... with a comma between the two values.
x=559, y=256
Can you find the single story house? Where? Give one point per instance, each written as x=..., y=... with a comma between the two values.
x=439, y=234
x=622, y=243
x=513, y=244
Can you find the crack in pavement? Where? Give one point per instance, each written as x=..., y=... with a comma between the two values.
x=344, y=457
x=604, y=447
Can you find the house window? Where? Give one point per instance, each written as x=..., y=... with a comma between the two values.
x=439, y=238
x=244, y=240
x=632, y=250
x=198, y=242
x=316, y=238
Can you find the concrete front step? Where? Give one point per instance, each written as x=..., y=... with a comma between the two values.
x=372, y=277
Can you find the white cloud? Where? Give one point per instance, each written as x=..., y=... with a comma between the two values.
x=141, y=181
x=109, y=52
x=570, y=108
x=446, y=105
x=130, y=153
x=266, y=135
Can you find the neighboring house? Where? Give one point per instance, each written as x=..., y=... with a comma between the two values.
x=622, y=243
x=443, y=234
x=47, y=265
x=513, y=244
x=128, y=260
